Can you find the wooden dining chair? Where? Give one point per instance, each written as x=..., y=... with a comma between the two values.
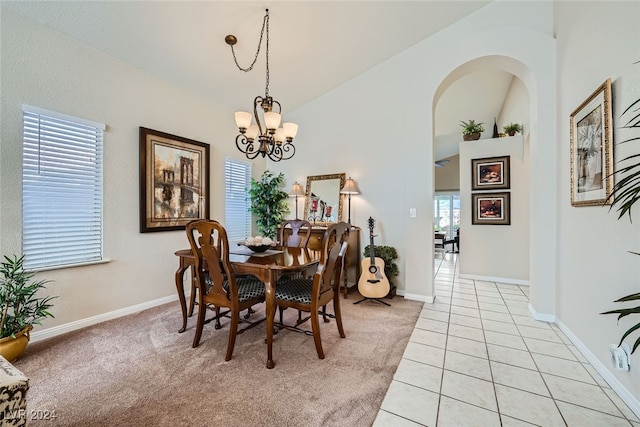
x=217, y=283
x=297, y=237
x=312, y=295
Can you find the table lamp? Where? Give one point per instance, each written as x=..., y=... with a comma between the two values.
x=350, y=187
x=296, y=191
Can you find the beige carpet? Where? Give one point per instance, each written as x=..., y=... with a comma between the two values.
x=139, y=371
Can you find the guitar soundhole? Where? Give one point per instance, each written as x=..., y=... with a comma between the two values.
x=373, y=269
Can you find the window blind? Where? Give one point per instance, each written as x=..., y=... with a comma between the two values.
x=237, y=201
x=61, y=190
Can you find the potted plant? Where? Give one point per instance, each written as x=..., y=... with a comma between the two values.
x=626, y=192
x=512, y=128
x=21, y=307
x=269, y=203
x=471, y=130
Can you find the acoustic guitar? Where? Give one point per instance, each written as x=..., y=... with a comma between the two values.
x=373, y=283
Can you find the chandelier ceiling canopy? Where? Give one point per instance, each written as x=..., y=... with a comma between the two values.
x=264, y=137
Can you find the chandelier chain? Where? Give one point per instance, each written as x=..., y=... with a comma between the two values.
x=265, y=25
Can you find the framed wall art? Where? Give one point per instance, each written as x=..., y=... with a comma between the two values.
x=174, y=181
x=592, y=149
x=491, y=208
x=490, y=173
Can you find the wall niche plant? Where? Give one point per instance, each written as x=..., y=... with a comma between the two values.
x=512, y=128
x=471, y=130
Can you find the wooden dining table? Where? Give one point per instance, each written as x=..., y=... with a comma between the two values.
x=267, y=267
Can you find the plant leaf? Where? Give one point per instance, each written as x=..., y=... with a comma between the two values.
x=629, y=331
x=631, y=297
x=623, y=312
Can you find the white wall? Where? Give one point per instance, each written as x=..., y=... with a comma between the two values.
x=447, y=177
x=516, y=107
x=496, y=252
x=596, y=40
x=42, y=68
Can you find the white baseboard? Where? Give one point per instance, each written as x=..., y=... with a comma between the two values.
x=418, y=297
x=495, y=279
x=543, y=317
x=616, y=385
x=83, y=323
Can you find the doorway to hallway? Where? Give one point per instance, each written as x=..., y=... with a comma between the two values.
x=446, y=214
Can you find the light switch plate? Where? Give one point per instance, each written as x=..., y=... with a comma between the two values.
x=412, y=213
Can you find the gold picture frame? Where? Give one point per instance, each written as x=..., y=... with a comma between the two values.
x=591, y=149
x=174, y=181
x=323, y=201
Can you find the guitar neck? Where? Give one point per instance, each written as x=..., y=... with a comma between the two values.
x=372, y=255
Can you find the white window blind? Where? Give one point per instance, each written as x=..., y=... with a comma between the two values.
x=61, y=190
x=237, y=175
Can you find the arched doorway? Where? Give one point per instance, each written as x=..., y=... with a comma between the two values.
x=483, y=89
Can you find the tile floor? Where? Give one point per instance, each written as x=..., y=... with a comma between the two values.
x=477, y=358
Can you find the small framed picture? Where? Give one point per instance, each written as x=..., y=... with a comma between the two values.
x=174, y=181
x=490, y=173
x=592, y=150
x=491, y=208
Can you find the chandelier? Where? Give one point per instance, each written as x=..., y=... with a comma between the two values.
x=266, y=137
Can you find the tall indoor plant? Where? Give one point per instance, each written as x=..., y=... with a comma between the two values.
x=21, y=306
x=269, y=203
x=626, y=192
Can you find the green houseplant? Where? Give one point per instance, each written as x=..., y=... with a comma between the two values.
x=471, y=130
x=21, y=306
x=512, y=128
x=269, y=203
x=626, y=192
x=388, y=255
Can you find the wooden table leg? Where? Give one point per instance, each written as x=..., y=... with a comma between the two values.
x=270, y=302
x=181, y=297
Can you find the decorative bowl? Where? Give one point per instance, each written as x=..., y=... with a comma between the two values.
x=256, y=248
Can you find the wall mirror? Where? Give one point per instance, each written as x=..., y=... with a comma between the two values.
x=323, y=201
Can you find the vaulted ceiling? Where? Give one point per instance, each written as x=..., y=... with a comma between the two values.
x=315, y=46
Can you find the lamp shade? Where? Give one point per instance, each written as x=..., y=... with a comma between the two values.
x=279, y=136
x=243, y=119
x=252, y=132
x=296, y=190
x=272, y=120
x=290, y=129
x=350, y=187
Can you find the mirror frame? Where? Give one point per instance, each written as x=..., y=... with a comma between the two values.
x=307, y=199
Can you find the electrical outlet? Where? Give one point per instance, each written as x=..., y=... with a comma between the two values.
x=412, y=213
x=620, y=356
